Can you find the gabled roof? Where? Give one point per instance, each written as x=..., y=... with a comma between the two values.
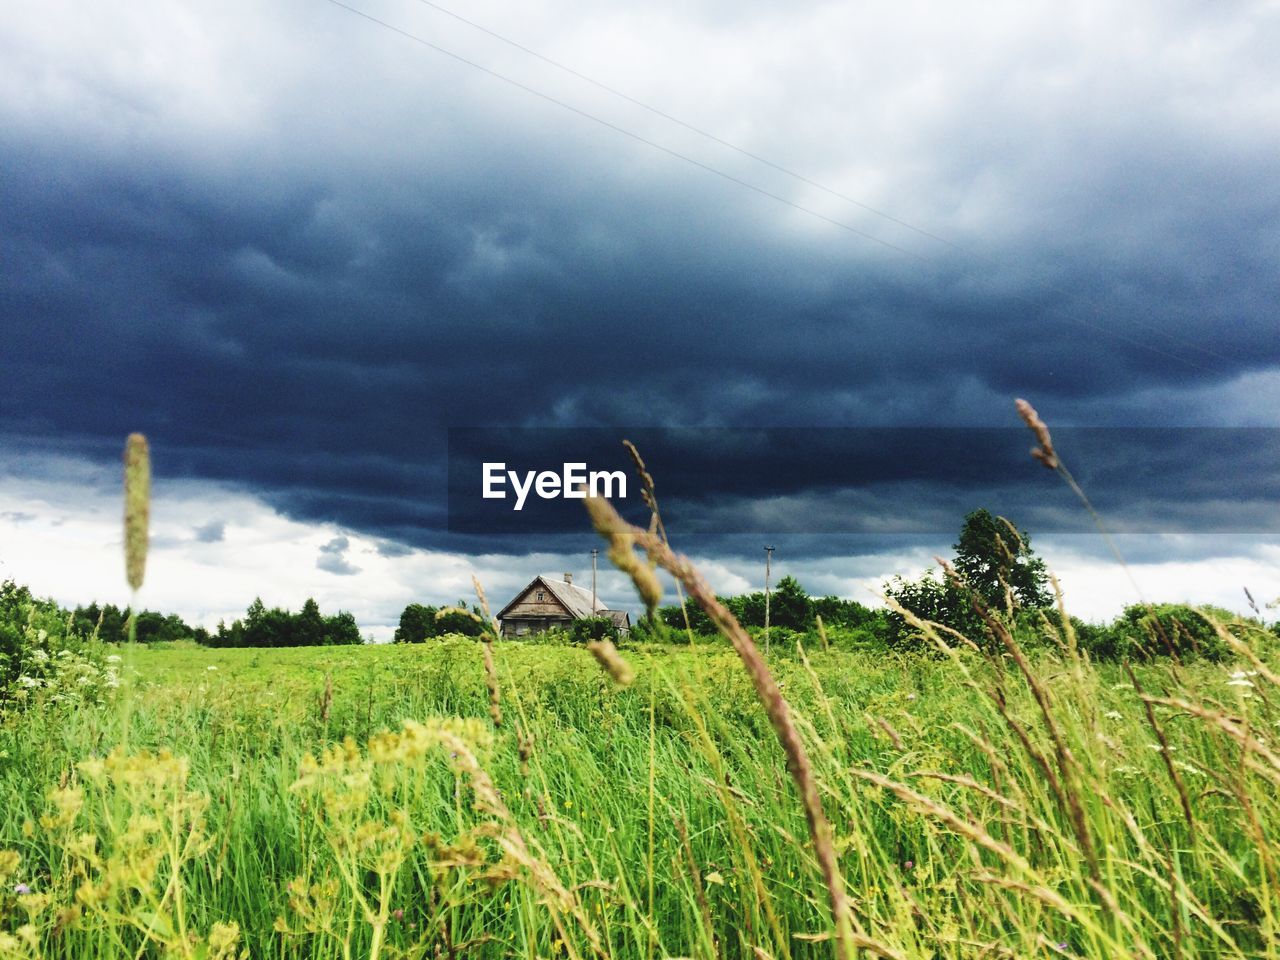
x=571, y=596
x=621, y=619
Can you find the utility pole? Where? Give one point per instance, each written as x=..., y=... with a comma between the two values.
x=594, y=551
x=768, y=557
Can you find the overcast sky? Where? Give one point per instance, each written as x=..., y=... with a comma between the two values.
x=294, y=246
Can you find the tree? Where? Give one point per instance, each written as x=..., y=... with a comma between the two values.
x=936, y=600
x=992, y=554
x=114, y=622
x=838, y=612
x=699, y=622
x=417, y=623
x=276, y=627
x=342, y=629
x=748, y=608
x=309, y=627
x=458, y=619
x=789, y=605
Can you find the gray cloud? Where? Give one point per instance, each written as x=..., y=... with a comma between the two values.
x=212, y=532
x=332, y=558
x=389, y=548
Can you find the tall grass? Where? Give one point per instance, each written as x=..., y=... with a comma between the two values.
x=952, y=839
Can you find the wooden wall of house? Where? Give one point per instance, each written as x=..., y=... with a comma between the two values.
x=525, y=627
x=530, y=606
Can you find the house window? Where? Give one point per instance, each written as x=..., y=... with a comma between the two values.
x=541, y=596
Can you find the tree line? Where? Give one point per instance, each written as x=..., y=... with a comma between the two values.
x=260, y=627
x=996, y=576
x=264, y=626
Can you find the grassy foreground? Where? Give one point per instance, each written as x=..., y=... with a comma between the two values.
x=355, y=802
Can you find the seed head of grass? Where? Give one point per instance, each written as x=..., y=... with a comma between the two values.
x=646, y=478
x=137, y=507
x=622, y=552
x=1045, y=452
x=490, y=670
x=491, y=622
x=611, y=660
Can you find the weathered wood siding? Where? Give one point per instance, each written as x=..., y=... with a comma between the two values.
x=531, y=615
x=530, y=606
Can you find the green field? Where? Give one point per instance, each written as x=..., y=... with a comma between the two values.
x=656, y=820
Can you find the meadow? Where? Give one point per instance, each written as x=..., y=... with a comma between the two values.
x=362, y=802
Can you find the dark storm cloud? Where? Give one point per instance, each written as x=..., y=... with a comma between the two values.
x=797, y=480
x=306, y=308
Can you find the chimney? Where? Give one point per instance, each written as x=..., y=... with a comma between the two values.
x=568, y=578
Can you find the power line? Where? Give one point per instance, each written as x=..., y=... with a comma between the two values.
x=765, y=161
x=1132, y=341
x=614, y=91
x=628, y=133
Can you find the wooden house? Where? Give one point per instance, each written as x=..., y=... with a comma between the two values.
x=550, y=604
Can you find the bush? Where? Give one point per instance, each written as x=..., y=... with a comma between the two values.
x=1167, y=629
x=459, y=619
x=672, y=616
x=937, y=601
x=593, y=628
x=43, y=659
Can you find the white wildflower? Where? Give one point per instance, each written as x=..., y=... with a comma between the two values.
x=114, y=659
x=1240, y=682
x=211, y=667
x=1114, y=715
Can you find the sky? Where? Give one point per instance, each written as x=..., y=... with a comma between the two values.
x=296, y=244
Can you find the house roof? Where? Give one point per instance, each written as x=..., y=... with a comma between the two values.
x=620, y=618
x=571, y=596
